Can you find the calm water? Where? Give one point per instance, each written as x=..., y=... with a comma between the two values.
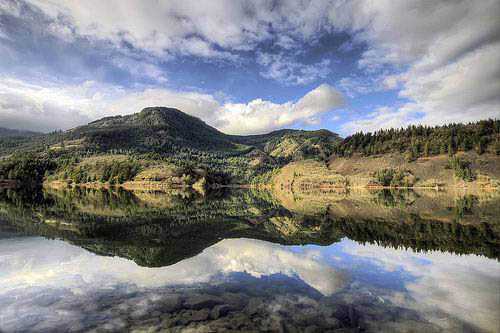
x=77, y=260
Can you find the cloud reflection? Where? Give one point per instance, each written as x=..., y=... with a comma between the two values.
x=463, y=287
x=36, y=262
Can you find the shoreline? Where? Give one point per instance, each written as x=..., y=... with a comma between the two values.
x=148, y=186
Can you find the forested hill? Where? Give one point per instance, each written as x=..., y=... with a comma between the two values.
x=167, y=131
x=154, y=128
x=416, y=141
x=157, y=143
x=160, y=143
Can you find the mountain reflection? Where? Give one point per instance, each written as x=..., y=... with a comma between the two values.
x=249, y=261
x=157, y=229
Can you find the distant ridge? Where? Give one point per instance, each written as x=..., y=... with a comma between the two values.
x=8, y=133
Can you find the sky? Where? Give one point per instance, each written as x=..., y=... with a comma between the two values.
x=248, y=67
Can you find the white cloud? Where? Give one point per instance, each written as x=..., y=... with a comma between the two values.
x=447, y=53
x=215, y=29
x=256, y=116
x=464, y=90
x=48, y=107
x=355, y=85
x=290, y=72
x=54, y=106
x=141, y=69
x=441, y=54
x=259, y=116
x=189, y=26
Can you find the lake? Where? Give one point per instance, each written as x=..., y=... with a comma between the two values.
x=78, y=260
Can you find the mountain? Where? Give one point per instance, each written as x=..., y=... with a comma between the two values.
x=159, y=143
x=154, y=128
x=10, y=133
x=12, y=140
x=165, y=145
x=164, y=129
x=168, y=131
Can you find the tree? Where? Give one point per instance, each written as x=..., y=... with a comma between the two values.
x=426, y=149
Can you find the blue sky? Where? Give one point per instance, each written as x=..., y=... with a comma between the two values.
x=250, y=66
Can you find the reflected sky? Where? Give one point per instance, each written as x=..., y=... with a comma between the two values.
x=49, y=283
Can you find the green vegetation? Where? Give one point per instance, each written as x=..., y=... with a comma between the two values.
x=464, y=205
x=27, y=169
x=394, y=177
x=395, y=198
x=112, y=172
x=424, y=141
x=461, y=168
x=167, y=145
x=265, y=178
x=165, y=136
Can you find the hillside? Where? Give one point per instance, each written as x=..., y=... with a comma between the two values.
x=152, y=129
x=11, y=140
x=454, y=155
x=161, y=228
x=392, y=170
x=166, y=130
x=163, y=147
x=423, y=141
x=161, y=143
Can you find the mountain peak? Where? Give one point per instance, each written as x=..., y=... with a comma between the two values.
x=160, y=110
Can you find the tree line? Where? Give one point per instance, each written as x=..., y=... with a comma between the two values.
x=422, y=141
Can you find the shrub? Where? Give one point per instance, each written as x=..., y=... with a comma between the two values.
x=461, y=168
x=394, y=177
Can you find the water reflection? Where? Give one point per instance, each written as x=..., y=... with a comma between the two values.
x=249, y=261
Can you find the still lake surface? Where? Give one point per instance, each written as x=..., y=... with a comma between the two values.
x=109, y=260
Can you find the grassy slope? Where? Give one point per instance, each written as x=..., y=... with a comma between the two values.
x=357, y=171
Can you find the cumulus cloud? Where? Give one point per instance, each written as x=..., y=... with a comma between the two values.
x=445, y=52
x=219, y=29
x=260, y=116
x=53, y=106
x=440, y=55
x=47, y=107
